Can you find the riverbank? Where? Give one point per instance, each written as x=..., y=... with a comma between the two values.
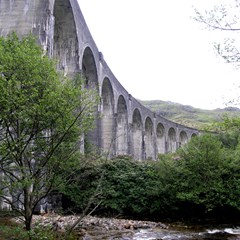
x=91, y=227
x=96, y=228
x=61, y=223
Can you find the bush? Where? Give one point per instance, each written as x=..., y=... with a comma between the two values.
x=200, y=177
x=207, y=174
x=11, y=230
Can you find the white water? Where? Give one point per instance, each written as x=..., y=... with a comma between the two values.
x=173, y=232
x=191, y=234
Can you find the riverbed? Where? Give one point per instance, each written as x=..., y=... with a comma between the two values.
x=181, y=231
x=174, y=231
x=94, y=228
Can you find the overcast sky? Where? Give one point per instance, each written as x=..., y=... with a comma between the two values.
x=158, y=52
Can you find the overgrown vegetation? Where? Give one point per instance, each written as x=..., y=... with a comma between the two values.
x=42, y=118
x=11, y=230
x=200, y=179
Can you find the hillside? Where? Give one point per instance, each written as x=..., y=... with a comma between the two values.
x=187, y=115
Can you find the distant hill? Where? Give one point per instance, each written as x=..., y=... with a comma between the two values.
x=188, y=115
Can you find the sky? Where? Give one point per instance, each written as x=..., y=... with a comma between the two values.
x=158, y=52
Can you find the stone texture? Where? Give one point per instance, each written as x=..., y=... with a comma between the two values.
x=126, y=127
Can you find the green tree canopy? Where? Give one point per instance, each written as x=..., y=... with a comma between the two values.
x=208, y=173
x=42, y=116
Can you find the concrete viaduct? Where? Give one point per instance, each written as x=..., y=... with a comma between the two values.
x=126, y=126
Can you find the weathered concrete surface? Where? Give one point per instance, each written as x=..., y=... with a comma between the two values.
x=126, y=126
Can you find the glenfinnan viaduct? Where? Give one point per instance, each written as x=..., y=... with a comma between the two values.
x=126, y=127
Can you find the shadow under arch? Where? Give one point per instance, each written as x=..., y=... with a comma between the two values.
x=161, y=142
x=107, y=119
x=92, y=139
x=183, y=138
x=89, y=70
x=122, y=127
x=172, y=140
x=149, y=139
x=194, y=135
x=64, y=47
x=137, y=135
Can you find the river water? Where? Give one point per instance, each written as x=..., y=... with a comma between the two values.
x=183, y=232
x=177, y=231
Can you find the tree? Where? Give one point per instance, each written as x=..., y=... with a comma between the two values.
x=224, y=17
x=208, y=173
x=42, y=118
x=125, y=185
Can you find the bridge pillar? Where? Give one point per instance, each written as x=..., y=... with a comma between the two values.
x=63, y=33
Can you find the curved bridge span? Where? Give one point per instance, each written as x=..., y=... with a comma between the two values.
x=126, y=127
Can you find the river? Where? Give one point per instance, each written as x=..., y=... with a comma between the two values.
x=96, y=228
x=177, y=231
x=195, y=232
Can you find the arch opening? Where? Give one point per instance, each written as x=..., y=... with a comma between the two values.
x=149, y=139
x=107, y=120
x=183, y=138
x=137, y=135
x=172, y=142
x=122, y=127
x=89, y=70
x=90, y=76
x=193, y=135
x=64, y=47
x=160, y=138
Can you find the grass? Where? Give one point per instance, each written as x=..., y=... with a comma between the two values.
x=188, y=115
x=10, y=230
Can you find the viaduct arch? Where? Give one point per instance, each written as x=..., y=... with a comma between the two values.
x=126, y=126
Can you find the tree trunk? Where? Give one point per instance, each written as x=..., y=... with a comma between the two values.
x=27, y=209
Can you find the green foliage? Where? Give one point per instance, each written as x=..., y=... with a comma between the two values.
x=119, y=184
x=228, y=131
x=42, y=116
x=165, y=170
x=206, y=171
x=82, y=191
x=13, y=231
x=126, y=186
x=202, y=175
